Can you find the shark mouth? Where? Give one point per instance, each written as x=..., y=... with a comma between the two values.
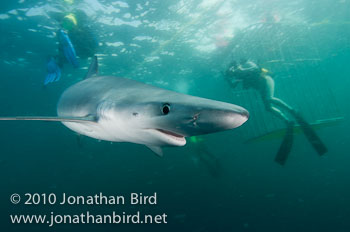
x=170, y=133
x=180, y=139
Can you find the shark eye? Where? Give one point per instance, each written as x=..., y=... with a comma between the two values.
x=166, y=108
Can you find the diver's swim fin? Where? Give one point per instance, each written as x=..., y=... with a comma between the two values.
x=286, y=146
x=53, y=71
x=311, y=135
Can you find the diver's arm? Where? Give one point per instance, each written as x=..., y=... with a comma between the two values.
x=249, y=66
x=232, y=81
x=233, y=84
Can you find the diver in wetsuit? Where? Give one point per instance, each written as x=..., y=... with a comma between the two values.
x=75, y=38
x=250, y=75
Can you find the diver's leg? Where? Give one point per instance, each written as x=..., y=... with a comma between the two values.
x=310, y=134
x=268, y=90
x=275, y=111
x=278, y=113
x=269, y=94
x=282, y=104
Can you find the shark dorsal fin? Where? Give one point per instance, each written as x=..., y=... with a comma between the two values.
x=93, y=69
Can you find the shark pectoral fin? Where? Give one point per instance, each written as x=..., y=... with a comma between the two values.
x=50, y=119
x=93, y=68
x=157, y=150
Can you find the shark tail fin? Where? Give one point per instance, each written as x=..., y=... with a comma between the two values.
x=49, y=119
x=93, y=68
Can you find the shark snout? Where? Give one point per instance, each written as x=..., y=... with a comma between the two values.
x=218, y=120
x=235, y=119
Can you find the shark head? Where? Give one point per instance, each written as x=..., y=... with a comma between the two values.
x=165, y=118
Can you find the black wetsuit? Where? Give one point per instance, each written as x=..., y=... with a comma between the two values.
x=251, y=76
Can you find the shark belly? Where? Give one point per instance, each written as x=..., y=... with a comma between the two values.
x=95, y=130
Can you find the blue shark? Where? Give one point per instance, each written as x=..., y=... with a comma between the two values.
x=124, y=110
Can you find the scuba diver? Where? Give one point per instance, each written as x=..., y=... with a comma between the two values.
x=250, y=75
x=73, y=30
x=204, y=156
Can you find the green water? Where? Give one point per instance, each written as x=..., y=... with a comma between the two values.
x=183, y=46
